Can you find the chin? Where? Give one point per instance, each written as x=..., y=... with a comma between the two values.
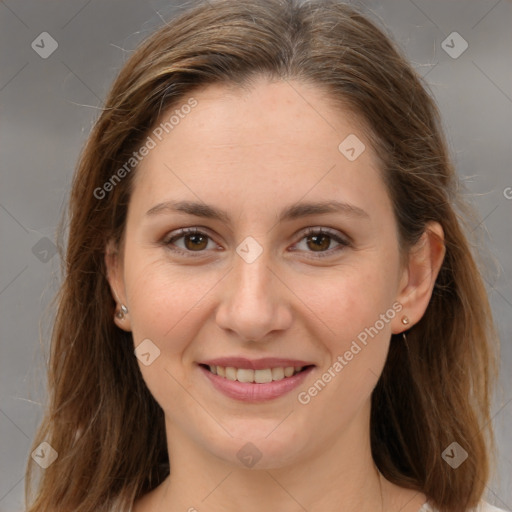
x=263, y=448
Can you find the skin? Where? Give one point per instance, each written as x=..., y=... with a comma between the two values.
x=252, y=153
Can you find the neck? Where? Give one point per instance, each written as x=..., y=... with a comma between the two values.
x=340, y=475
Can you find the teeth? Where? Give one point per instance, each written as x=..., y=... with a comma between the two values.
x=263, y=376
x=230, y=373
x=257, y=376
x=288, y=371
x=243, y=375
x=277, y=373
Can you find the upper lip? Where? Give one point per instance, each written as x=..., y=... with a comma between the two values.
x=255, y=364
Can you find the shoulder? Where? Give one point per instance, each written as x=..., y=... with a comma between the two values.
x=486, y=507
x=482, y=507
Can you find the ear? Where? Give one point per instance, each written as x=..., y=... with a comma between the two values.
x=419, y=276
x=115, y=277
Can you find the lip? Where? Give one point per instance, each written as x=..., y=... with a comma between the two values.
x=253, y=392
x=255, y=364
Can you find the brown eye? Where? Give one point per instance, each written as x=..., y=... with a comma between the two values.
x=320, y=241
x=192, y=239
x=195, y=241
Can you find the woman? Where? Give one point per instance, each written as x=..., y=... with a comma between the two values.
x=269, y=300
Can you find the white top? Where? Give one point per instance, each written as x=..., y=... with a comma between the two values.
x=482, y=507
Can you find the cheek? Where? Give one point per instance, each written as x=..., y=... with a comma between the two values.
x=348, y=299
x=357, y=310
x=353, y=311
x=166, y=301
x=166, y=308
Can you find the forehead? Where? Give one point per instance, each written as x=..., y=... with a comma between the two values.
x=286, y=113
x=282, y=137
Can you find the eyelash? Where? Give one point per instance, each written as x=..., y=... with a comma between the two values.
x=169, y=241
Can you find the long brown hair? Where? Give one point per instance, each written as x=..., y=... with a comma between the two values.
x=101, y=419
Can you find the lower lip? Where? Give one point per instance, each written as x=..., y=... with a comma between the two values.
x=252, y=392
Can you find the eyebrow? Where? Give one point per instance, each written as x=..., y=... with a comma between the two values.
x=293, y=212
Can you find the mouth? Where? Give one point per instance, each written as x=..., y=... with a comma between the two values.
x=260, y=376
x=255, y=380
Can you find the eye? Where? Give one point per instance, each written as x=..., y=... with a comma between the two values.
x=194, y=240
x=319, y=240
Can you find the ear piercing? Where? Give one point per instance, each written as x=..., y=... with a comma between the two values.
x=405, y=321
x=122, y=312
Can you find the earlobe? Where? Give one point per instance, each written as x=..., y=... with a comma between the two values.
x=121, y=318
x=115, y=279
x=424, y=264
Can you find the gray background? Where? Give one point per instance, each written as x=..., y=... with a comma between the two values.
x=47, y=107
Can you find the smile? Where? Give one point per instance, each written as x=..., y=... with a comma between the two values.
x=262, y=376
x=255, y=381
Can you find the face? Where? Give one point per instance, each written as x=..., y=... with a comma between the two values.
x=254, y=243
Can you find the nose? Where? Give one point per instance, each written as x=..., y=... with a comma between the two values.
x=253, y=303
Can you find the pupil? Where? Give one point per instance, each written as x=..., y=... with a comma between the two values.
x=196, y=240
x=317, y=238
